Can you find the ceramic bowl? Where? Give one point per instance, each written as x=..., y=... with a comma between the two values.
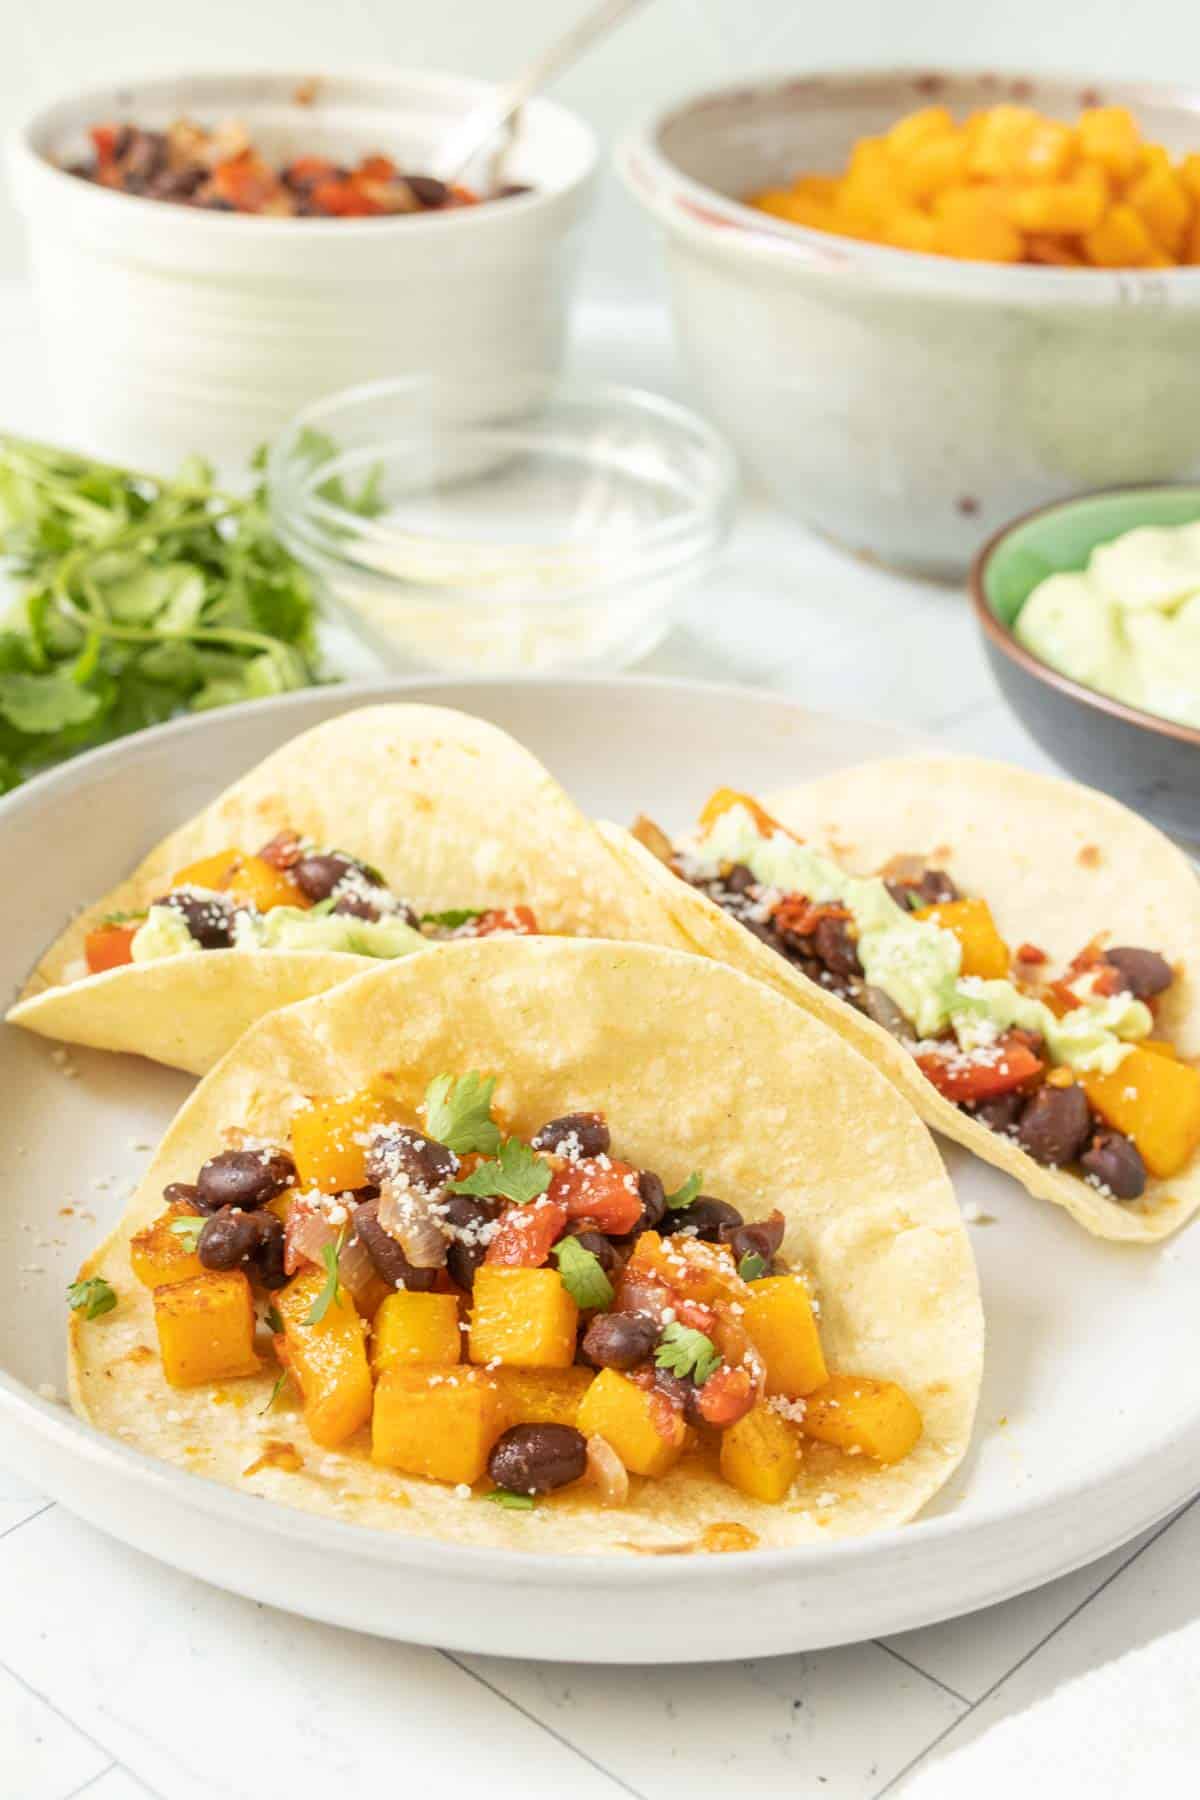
x=905, y=404
x=1150, y=763
x=171, y=329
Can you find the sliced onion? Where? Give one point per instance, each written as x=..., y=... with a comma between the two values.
x=407, y=1215
x=305, y=1236
x=606, y=1471
x=356, y=1271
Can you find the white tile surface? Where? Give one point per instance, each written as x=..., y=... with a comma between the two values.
x=42, y=1756
x=116, y=1784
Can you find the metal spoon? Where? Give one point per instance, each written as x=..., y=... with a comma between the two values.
x=482, y=123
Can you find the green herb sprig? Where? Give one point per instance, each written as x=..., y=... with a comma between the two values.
x=458, y=1113
x=331, y=1290
x=582, y=1274
x=687, y=1352
x=517, y=1174
x=686, y=1192
x=93, y=1297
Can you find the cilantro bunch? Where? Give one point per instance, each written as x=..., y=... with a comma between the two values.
x=137, y=598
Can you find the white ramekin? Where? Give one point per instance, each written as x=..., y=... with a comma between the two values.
x=171, y=330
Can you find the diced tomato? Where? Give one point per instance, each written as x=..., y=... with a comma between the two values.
x=245, y=181
x=1031, y=953
x=1009, y=1064
x=376, y=168
x=519, y=920
x=304, y=169
x=104, y=139
x=726, y=1396
x=600, y=1189
x=109, y=947
x=526, y=1233
x=341, y=198
x=796, y=914
x=283, y=851
x=664, y=1414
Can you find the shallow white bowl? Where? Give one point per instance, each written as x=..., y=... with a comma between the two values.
x=171, y=329
x=1089, y=1420
x=909, y=405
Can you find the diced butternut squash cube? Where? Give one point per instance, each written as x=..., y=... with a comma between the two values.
x=780, y=1324
x=441, y=1423
x=984, y=951
x=853, y=1412
x=206, y=1329
x=1159, y=1047
x=689, y=1267
x=760, y=1454
x=1189, y=175
x=210, y=872
x=1108, y=135
x=1155, y=1101
x=326, y=1141
x=542, y=1396
x=524, y=1317
x=159, y=1255
x=911, y=229
x=1164, y=206
x=260, y=883
x=328, y=1358
x=937, y=164
x=1000, y=141
x=416, y=1328
x=1067, y=206
x=927, y=125
x=641, y=1425
x=1120, y=240
x=973, y=224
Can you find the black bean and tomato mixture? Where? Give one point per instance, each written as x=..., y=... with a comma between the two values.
x=1069, y=1066
x=223, y=171
x=535, y=1311
x=289, y=895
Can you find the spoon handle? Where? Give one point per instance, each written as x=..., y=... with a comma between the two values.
x=484, y=121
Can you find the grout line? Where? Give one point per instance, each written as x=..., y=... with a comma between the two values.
x=91, y=1781
x=542, y=1725
x=918, y=1670
x=27, y=1520
x=890, y=1786
x=66, y=1719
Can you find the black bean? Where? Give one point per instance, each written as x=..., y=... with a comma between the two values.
x=740, y=879
x=399, y=1153
x=620, y=1340
x=602, y=1248
x=208, y=917
x=511, y=190
x=180, y=1193
x=1116, y=1163
x=1000, y=1113
x=318, y=874
x=428, y=189
x=705, y=1218
x=245, y=1178
x=902, y=894
x=536, y=1459
x=935, y=888
x=267, y=1260
x=465, y=1217
x=760, y=1238
x=1055, y=1125
x=1144, y=972
x=386, y=1254
x=228, y=1239
x=883, y=1009
x=835, y=946
x=682, y=1392
x=575, y=1134
x=654, y=1198
x=356, y=906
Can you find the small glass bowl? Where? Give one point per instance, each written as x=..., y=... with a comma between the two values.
x=514, y=523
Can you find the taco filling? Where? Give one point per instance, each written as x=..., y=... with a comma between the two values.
x=507, y=1315
x=1065, y=1065
x=289, y=895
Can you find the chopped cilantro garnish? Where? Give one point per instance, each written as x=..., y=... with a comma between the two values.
x=188, y=1230
x=330, y=1292
x=272, y=1319
x=752, y=1266
x=687, y=1352
x=122, y=918
x=275, y=1391
x=514, y=1502
x=458, y=1113
x=516, y=1174
x=453, y=917
x=582, y=1275
x=91, y=1297
x=684, y=1195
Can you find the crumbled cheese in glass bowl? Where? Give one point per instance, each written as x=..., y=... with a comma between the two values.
x=512, y=523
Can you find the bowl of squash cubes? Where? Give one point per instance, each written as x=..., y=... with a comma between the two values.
x=922, y=302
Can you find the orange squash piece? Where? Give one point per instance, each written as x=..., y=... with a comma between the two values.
x=689, y=1267
x=984, y=951
x=854, y=1412
x=645, y=1431
x=259, y=883
x=109, y=946
x=1155, y=1100
x=542, y=1396
x=206, y=1329
x=328, y=1359
x=325, y=1142
x=440, y=1423
x=157, y=1255
x=760, y=1455
x=415, y=1328
x=779, y=1320
x=524, y=1317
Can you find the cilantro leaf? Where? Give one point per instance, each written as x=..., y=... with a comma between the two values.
x=92, y=1297
x=122, y=918
x=188, y=1230
x=687, y=1352
x=517, y=1174
x=686, y=1193
x=752, y=1266
x=458, y=1113
x=272, y=1319
x=331, y=1291
x=39, y=704
x=452, y=919
x=582, y=1274
x=514, y=1502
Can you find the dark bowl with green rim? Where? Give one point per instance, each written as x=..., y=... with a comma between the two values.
x=1150, y=763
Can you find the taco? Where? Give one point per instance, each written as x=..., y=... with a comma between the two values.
x=546, y=1243
x=365, y=838
x=1020, y=955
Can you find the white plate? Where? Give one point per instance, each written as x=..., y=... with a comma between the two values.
x=1089, y=1424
